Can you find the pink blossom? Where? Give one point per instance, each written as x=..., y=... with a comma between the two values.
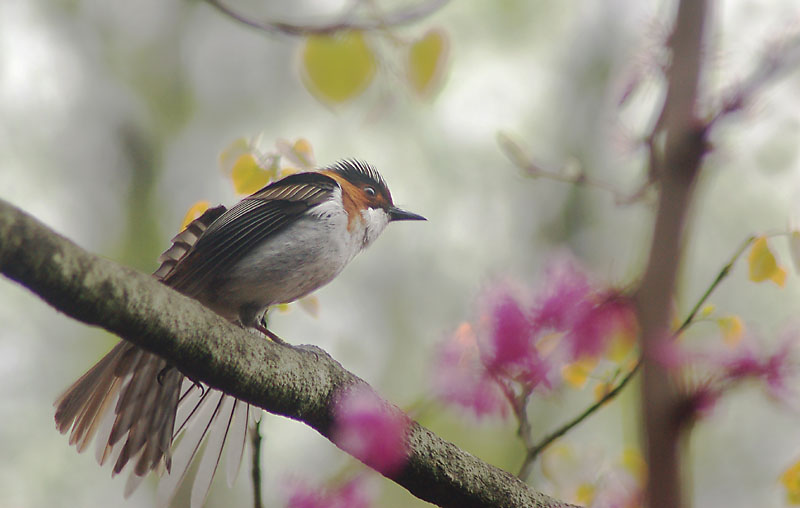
x=461, y=378
x=594, y=328
x=349, y=495
x=509, y=350
x=510, y=335
x=565, y=299
x=701, y=401
x=587, y=316
x=371, y=430
x=517, y=347
x=619, y=488
x=773, y=369
x=722, y=371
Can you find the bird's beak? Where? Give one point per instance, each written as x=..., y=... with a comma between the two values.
x=398, y=214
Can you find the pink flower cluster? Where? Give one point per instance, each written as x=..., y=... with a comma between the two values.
x=586, y=314
x=724, y=370
x=773, y=369
x=481, y=367
x=371, y=430
x=461, y=378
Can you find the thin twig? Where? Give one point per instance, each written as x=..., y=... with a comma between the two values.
x=255, y=441
x=723, y=273
x=519, y=404
x=255, y=432
x=546, y=441
x=402, y=16
x=519, y=158
x=781, y=57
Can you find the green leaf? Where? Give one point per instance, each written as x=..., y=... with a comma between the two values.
x=230, y=155
x=195, y=211
x=337, y=67
x=248, y=176
x=427, y=59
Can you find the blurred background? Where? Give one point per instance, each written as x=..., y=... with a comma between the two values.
x=113, y=116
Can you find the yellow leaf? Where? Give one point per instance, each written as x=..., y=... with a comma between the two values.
x=732, y=328
x=675, y=322
x=248, y=176
x=584, y=494
x=305, y=153
x=633, y=461
x=763, y=265
x=310, y=304
x=621, y=344
x=779, y=277
x=195, y=211
x=427, y=59
x=601, y=390
x=303, y=147
x=675, y=319
x=790, y=479
x=231, y=154
x=337, y=67
x=707, y=311
x=577, y=373
x=300, y=153
x=287, y=171
x=558, y=459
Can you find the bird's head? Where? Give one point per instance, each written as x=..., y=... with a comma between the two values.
x=365, y=195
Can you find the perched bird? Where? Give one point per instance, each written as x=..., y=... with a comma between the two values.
x=275, y=246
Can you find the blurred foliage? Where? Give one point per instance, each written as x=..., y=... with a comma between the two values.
x=337, y=67
x=427, y=60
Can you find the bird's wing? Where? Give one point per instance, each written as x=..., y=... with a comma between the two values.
x=228, y=238
x=185, y=240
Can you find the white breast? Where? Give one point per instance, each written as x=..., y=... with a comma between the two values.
x=297, y=260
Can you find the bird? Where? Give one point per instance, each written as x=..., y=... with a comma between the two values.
x=273, y=247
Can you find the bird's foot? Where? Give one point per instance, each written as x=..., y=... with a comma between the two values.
x=263, y=329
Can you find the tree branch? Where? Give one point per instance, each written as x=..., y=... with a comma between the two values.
x=519, y=158
x=782, y=56
x=398, y=17
x=299, y=383
x=676, y=171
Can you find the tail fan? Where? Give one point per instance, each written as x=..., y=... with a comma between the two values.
x=208, y=415
x=139, y=428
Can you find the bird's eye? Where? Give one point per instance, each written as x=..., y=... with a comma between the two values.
x=369, y=191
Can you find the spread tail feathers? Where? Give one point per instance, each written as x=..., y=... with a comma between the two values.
x=130, y=397
x=136, y=405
